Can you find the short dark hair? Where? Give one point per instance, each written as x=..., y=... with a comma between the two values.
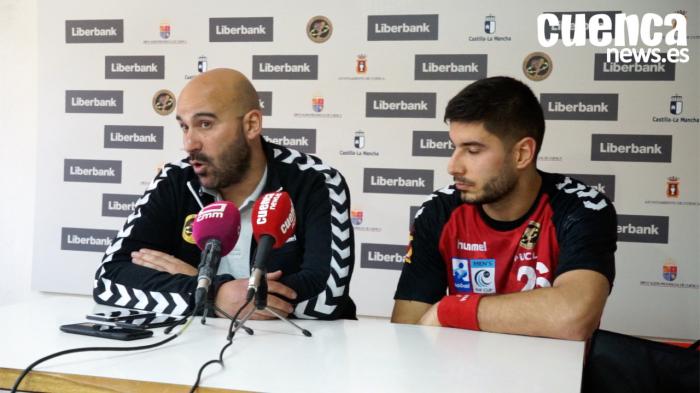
x=506, y=106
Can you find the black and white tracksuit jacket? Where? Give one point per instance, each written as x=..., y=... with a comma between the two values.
x=318, y=264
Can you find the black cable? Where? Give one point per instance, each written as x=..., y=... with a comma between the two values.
x=178, y=322
x=229, y=342
x=29, y=368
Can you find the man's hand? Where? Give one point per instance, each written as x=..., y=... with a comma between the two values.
x=430, y=318
x=231, y=296
x=162, y=262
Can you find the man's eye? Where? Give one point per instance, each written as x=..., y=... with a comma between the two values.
x=205, y=124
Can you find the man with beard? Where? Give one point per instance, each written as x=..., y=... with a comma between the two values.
x=152, y=262
x=539, y=247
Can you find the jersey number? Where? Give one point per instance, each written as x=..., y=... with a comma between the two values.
x=533, y=280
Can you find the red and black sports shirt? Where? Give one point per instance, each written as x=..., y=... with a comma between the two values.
x=456, y=246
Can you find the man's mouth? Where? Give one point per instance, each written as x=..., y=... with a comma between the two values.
x=198, y=166
x=463, y=185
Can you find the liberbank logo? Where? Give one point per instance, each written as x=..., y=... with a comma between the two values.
x=633, y=148
x=642, y=229
x=133, y=137
x=398, y=181
x=241, y=29
x=134, y=67
x=601, y=183
x=432, y=144
x=450, y=67
x=409, y=105
x=94, y=101
x=85, y=239
x=118, y=205
x=577, y=106
x=94, y=31
x=285, y=67
x=301, y=139
x=265, y=101
x=92, y=171
x=637, y=71
x=402, y=27
x=382, y=256
x=620, y=30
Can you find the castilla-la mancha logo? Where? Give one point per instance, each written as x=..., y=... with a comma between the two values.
x=676, y=106
x=623, y=34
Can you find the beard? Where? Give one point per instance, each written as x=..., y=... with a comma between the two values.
x=230, y=169
x=494, y=189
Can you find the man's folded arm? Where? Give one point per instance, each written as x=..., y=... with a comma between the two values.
x=152, y=225
x=570, y=309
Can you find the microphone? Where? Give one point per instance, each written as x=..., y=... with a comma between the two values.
x=215, y=230
x=273, y=222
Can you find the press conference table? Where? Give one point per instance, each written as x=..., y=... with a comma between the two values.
x=368, y=355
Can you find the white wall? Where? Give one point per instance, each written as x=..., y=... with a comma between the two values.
x=18, y=133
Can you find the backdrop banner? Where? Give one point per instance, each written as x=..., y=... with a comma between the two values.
x=364, y=85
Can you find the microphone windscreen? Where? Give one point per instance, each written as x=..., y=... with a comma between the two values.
x=273, y=215
x=219, y=220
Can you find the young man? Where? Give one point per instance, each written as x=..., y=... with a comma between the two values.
x=152, y=262
x=518, y=250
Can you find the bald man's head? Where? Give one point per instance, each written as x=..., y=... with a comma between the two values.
x=219, y=115
x=223, y=87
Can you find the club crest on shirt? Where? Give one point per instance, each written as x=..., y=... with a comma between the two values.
x=530, y=236
x=187, y=229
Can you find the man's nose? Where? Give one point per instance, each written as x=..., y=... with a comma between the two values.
x=191, y=142
x=453, y=165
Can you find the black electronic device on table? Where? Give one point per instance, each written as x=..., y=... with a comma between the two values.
x=106, y=331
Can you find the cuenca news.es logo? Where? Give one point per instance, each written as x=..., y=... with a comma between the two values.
x=623, y=32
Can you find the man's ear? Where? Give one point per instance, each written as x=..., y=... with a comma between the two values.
x=524, y=152
x=252, y=124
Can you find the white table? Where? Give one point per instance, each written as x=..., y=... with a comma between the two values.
x=369, y=355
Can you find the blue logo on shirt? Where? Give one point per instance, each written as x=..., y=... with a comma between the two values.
x=460, y=275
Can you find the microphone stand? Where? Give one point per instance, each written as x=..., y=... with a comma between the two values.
x=261, y=304
x=208, y=265
x=207, y=269
x=236, y=322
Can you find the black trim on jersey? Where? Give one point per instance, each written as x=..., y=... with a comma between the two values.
x=587, y=226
